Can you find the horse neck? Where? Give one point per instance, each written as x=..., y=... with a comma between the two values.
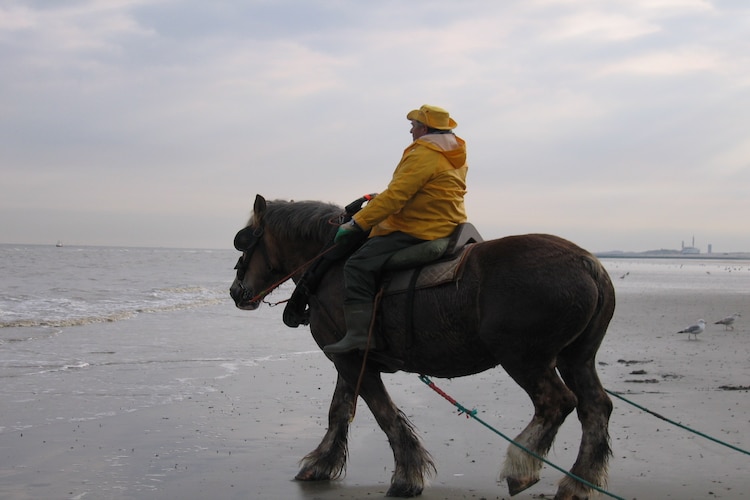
x=295, y=252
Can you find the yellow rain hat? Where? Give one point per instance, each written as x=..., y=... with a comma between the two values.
x=433, y=117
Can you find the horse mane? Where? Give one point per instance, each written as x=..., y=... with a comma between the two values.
x=306, y=220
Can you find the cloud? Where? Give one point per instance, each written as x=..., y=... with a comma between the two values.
x=580, y=119
x=601, y=26
x=668, y=63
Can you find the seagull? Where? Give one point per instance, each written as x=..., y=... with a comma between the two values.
x=728, y=322
x=695, y=329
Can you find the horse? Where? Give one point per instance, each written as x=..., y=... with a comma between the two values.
x=537, y=305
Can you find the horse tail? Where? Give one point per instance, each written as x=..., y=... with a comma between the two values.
x=584, y=347
x=606, y=291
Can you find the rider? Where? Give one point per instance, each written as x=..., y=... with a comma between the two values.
x=424, y=201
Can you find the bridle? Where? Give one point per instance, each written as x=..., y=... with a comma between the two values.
x=246, y=241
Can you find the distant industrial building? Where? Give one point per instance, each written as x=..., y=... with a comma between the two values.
x=691, y=250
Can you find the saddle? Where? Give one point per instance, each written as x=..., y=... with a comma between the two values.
x=423, y=265
x=430, y=263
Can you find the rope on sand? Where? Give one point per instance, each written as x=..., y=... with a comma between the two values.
x=676, y=423
x=473, y=414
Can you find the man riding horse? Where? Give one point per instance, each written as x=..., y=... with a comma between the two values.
x=424, y=201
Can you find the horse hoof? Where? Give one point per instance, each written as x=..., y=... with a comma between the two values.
x=516, y=486
x=310, y=475
x=567, y=495
x=404, y=491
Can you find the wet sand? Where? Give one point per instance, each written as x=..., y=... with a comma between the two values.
x=243, y=436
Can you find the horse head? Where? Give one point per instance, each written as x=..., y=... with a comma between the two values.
x=280, y=240
x=256, y=268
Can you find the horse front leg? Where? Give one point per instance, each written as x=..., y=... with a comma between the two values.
x=328, y=460
x=412, y=461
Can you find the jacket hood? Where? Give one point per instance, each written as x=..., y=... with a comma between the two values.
x=450, y=145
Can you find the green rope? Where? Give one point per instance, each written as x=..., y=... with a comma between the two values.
x=473, y=414
x=677, y=423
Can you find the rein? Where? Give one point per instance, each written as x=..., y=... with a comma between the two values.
x=262, y=294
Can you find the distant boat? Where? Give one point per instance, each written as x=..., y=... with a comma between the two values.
x=58, y=244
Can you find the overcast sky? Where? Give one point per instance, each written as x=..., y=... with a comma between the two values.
x=618, y=124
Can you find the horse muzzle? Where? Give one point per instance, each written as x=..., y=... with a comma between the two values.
x=243, y=297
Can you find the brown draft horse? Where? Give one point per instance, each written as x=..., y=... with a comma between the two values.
x=536, y=304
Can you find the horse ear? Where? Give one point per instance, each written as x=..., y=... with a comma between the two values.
x=259, y=208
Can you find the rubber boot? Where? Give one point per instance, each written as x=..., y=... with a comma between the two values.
x=358, y=318
x=295, y=311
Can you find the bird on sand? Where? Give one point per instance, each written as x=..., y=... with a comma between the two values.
x=728, y=322
x=694, y=329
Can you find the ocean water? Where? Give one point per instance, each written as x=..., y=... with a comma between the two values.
x=47, y=286
x=125, y=328
x=119, y=329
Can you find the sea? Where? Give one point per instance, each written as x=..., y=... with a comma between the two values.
x=72, y=319
x=122, y=329
x=62, y=287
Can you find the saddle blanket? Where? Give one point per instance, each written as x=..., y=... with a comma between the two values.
x=437, y=273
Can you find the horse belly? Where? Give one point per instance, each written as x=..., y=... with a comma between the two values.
x=438, y=335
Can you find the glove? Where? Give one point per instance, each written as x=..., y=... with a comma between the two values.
x=346, y=233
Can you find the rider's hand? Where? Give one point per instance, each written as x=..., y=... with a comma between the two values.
x=346, y=232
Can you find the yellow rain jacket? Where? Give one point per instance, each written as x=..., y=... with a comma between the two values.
x=425, y=197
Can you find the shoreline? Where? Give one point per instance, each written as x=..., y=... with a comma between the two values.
x=679, y=256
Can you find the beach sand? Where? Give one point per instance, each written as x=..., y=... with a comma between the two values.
x=242, y=437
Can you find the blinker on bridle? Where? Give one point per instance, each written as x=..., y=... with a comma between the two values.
x=246, y=241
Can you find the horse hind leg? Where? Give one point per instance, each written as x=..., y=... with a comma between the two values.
x=594, y=409
x=328, y=460
x=553, y=402
x=577, y=366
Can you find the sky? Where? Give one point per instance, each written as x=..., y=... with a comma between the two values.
x=617, y=124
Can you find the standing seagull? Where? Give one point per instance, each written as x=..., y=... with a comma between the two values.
x=695, y=329
x=728, y=322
